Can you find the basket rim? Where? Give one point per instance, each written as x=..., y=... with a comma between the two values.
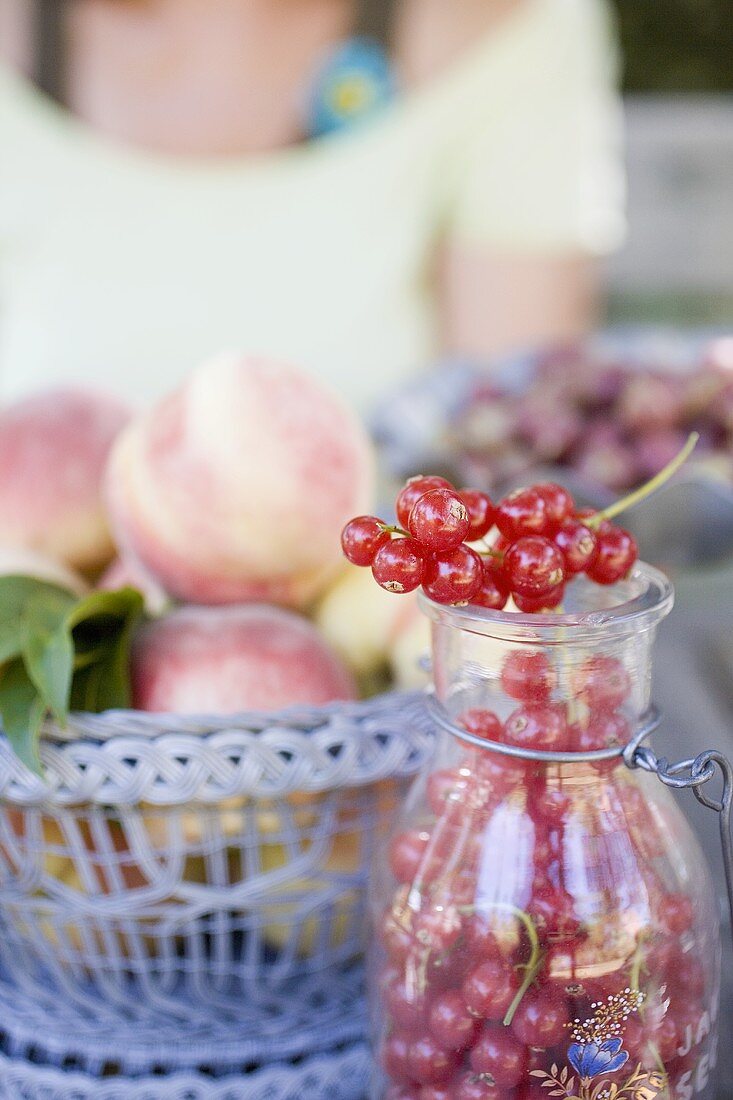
x=114, y=759
x=105, y=726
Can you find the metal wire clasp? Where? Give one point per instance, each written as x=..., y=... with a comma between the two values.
x=696, y=773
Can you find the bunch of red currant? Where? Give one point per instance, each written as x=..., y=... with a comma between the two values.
x=479, y=999
x=462, y=548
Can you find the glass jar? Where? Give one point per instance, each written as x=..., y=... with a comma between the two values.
x=545, y=925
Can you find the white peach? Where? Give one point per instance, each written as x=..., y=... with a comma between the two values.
x=221, y=660
x=410, y=651
x=237, y=486
x=17, y=562
x=362, y=621
x=53, y=451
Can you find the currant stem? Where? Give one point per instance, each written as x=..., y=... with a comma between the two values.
x=637, y=963
x=394, y=530
x=489, y=553
x=535, y=958
x=650, y=487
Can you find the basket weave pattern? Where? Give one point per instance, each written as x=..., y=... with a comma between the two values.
x=178, y=894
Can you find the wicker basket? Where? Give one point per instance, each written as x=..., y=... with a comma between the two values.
x=188, y=894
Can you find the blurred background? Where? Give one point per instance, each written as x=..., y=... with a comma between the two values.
x=678, y=263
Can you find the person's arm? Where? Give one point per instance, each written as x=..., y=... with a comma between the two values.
x=16, y=34
x=497, y=302
x=535, y=190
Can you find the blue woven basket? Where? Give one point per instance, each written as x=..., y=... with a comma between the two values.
x=188, y=894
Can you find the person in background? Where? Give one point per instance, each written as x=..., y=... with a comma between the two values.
x=360, y=186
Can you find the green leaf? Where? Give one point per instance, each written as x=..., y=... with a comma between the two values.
x=22, y=711
x=61, y=651
x=105, y=622
x=48, y=651
x=15, y=594
x=16, y=591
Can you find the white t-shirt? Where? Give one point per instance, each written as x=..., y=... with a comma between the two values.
x=124, y=268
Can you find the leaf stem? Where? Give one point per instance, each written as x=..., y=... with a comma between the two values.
x=649, y=487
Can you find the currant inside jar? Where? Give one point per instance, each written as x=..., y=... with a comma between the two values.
x=544, y=927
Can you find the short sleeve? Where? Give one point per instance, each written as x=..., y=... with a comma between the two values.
x=537, y=160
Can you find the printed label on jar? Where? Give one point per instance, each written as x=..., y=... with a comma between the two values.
x=598, y=1050
x=696, y=1080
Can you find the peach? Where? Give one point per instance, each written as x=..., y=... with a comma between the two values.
x=409, y=650
x=220, y=660
x=236, y=487
x=17, y=562
x=53, y=451
x=362, y=621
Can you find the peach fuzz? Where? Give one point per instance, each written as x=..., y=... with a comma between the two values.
x=53, y=451
x=236, y=487
x=221, y=660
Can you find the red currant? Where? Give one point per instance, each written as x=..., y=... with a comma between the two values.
x=534, y=566
x=494, y=591
x=397, y=939
x=528, y=677
x=405, y=1004
x=402, y=1092
x=399, y=565
x=677, y=913
x=602, y=682
x=552, y=804
x=430, y=1063
x=439, y=520
x=473, y=1087
x=481, y=938
x=395, y=1057
x=552, y=911
x=540, y=1021
x=415, y=488
x=615, y=555
x=438, y=929
x=531, y=605
x=521, y=513
x=435, y=1092
x=490, y=989
x=481, y=513
x=603, y=731
x=499, y=1055
x=454, y=577
x=406, y=854
x=450, y=1021
x=538, y=726
x=577, y=544
x=444, y=786
x=559, y=504
x=482, y=723
x=362, y=537
x=689, y=976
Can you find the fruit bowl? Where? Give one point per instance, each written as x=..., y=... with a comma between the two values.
x=179, y=892
x=599, y=419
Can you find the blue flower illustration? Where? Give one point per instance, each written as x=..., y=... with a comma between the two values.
x=592, y=1059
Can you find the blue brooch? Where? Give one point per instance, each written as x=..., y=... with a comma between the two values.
x=356, y=81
